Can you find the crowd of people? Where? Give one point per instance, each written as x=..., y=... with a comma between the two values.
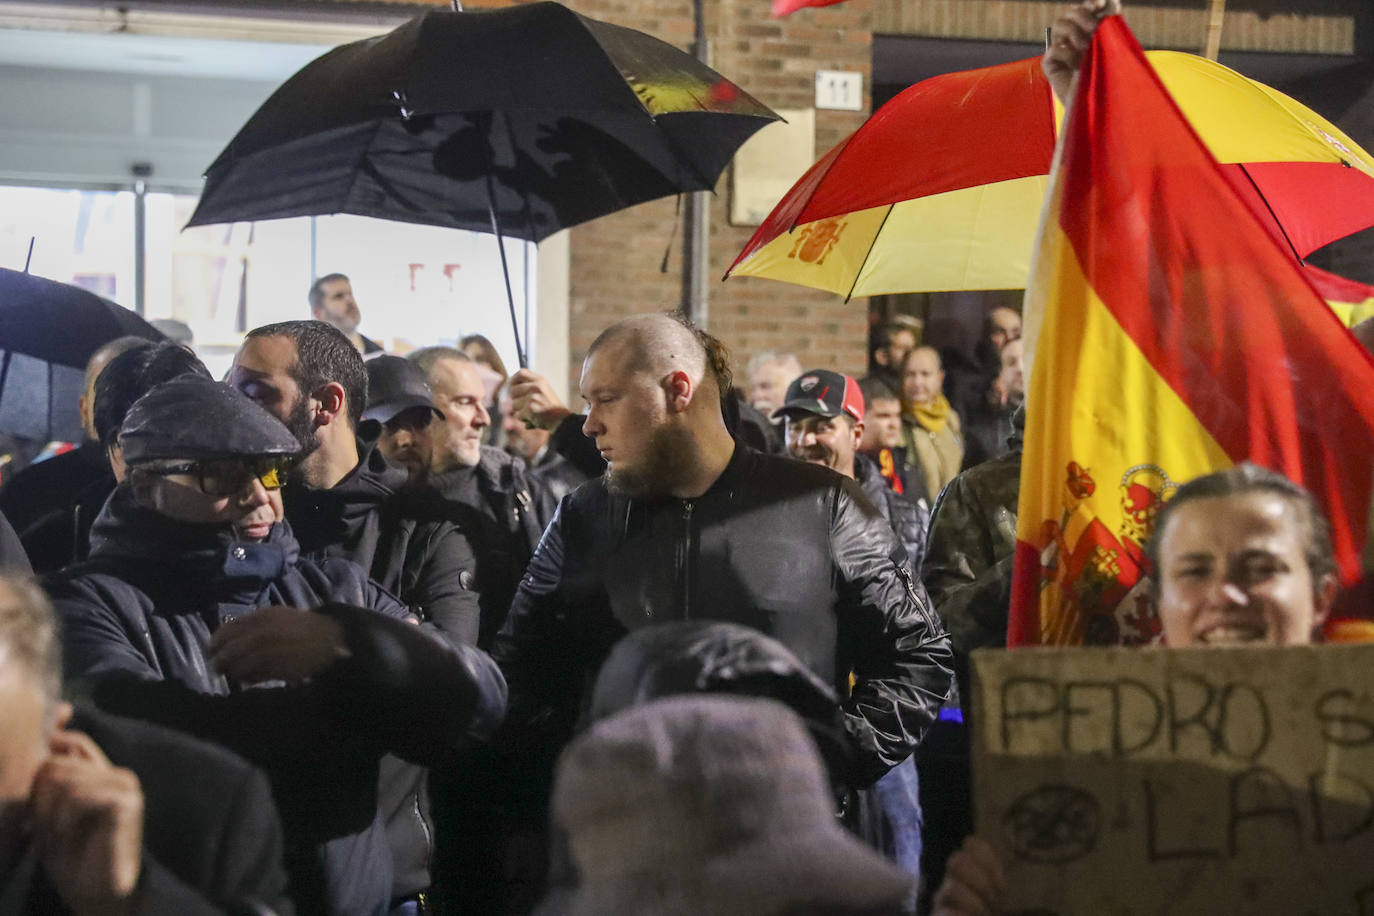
x=358, y=633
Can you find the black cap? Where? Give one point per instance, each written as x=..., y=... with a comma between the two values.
x=196, y=417
x=395, y=385
x=824, y=393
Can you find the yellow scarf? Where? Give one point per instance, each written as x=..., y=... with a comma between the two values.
x=932, y=416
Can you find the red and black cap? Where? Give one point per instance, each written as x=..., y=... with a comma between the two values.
x=823, y=393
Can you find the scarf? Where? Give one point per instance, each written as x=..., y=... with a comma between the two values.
x=932, y=416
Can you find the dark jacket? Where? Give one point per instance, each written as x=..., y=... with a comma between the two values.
x=908, y=518
x=505, y=512
x=792, y=550
x=986, y=429
x=137, y=619
x=12, y=555
x=969, y=553
x=52, y=504
x=208, y=815
x=411, y=550
x=406, y=544
x=558, y=475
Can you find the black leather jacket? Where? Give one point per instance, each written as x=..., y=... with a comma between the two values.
x=790, y=549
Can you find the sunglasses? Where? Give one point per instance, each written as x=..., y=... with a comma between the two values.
x=229, y=476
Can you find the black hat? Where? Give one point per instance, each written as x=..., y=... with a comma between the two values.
x=196, y=417
x=824, y=393
x=395, y=385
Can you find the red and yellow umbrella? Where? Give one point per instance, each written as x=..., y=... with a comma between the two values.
x=942, y=188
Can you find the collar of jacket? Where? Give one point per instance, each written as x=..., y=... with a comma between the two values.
x=332, y=516
x=135, y=537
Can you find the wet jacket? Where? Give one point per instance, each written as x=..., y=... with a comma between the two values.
x=405, y=542
x=558, y=475
x=505, y=515
x=136, y=622
x=968, y=563
x=986, y=428
x=909, y=518
x=412, y=551
x=790, y=549
x=52, y=504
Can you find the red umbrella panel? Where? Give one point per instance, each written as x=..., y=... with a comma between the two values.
x=942, y=187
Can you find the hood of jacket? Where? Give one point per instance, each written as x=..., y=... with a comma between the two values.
x=320, y=518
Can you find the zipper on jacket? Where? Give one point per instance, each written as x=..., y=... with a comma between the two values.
x=424, y=827
x=687, y=559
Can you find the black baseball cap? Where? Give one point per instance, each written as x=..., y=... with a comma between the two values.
x=823, y=393
x=395, y=385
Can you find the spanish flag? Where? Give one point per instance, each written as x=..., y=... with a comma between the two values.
x=1172, y=336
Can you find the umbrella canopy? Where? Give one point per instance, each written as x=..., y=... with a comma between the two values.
x=48, y=332
x=543, y=116
x=941, y=189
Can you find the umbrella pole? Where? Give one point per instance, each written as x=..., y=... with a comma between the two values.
x=505, y=271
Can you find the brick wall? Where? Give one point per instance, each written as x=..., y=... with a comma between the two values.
x=1311, y=26
x=615, y=259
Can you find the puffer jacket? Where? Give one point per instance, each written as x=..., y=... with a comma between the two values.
x=137, y=619
x=909, y=518
x=793, y=550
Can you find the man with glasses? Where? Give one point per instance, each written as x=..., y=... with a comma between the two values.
x=195, y=611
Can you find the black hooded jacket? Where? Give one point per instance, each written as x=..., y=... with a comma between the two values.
x=793, y=550
x=52, y=504
x=137, y=619
x=411, y=550
x=406, y=544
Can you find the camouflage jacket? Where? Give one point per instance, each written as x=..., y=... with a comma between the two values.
x=968, y=559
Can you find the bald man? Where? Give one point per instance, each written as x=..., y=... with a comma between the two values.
x=689, y=524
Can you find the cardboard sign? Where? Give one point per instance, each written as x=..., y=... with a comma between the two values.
x=1209, y=781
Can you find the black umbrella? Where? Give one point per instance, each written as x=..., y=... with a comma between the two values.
x=48, y=332
x=521, y=121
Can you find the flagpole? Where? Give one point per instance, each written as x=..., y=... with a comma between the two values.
x=1215, y=16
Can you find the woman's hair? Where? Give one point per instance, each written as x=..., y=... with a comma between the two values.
x=1245, y=478
x=486, y=353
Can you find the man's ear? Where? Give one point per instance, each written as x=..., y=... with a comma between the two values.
x=677, y=385
x=332, y=400
x=857, y=431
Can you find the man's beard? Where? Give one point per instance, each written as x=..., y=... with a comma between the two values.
x=302, y=426
x=669, y=459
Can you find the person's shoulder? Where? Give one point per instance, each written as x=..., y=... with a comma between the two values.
x=92, y=580
x=786, y=471
x=143, y=746
x=995, y=473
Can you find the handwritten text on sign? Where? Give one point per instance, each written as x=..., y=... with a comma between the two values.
x=1217, y=781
